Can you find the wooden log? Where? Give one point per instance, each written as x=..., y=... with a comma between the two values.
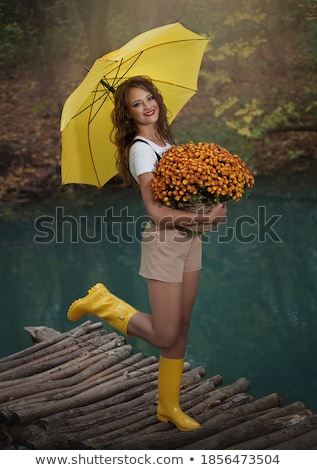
x=134, y=362
x=84, y=388
x=111, y=438
x=60, y=441
x=33, y=436
x=68, y=384
x=221, y=394
x=124, y=367
x=6, y=440
x=60, y=377
x=146, y=372
x=226, y=433
x=65, y=351
x=44, y=391
x=166, y=440
x=15, y=408
x=188, y=401
x=270, y=401
x=106, y=418
x=117, y=399
x=138, y=416
x=303, y=442
x=23, y=357
x=158, y=435
x=24, y=353
x=189, y=375
x=25, y=414
x=169, y=439
x=40, y=359
x=41, y=333
x=68, y=366
x=79, y=429
x=219, y=415
x=278, y=439
x=136, y=420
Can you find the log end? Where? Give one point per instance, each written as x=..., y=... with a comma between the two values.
x=41, y=333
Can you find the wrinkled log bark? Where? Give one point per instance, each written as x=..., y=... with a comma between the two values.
x=33, y=436
x=37, y=411
x=245, y=427
x=85, y=389
x=220, y=415
x=41, y=351
x=168, y=439
x=41, y=333
x=66, y=375
x=129, y=413
x=279, y=439
x=73, y=398
x=303, y=442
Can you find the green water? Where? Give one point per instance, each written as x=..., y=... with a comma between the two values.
x=255, y=314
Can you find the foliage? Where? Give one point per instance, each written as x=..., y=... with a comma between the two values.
x=261, y=64
x=257, y=88
x=38, y=37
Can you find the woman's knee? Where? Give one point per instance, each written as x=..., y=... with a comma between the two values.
x=167, y=340
x=167, y=337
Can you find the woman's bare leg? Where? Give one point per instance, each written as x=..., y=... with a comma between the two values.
x=189, y=293
x=161, y=327
x=171, y=304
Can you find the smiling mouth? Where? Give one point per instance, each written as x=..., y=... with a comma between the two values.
x=150, y=113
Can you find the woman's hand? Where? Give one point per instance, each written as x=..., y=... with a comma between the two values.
x=218, y=213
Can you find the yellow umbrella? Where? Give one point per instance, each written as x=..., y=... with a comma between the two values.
x=170, y=55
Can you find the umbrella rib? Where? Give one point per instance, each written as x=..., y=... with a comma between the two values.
x=103, y=97
x=138, y=55
x=107, y=84
x=177, y=86
x=116, y=79
x=89, y=142
x=111, y=87
x=92, y=160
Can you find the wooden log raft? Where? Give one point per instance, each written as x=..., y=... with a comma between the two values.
x=85, y=389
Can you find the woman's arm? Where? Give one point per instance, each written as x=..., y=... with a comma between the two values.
x=163, y=215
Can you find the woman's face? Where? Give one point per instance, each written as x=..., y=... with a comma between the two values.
x=142, y=107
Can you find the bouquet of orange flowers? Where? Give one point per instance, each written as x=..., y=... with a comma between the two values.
x=195, y=177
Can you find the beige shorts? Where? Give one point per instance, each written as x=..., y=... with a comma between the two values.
x=167, y=253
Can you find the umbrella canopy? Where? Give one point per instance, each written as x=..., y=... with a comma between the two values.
x=170, y=55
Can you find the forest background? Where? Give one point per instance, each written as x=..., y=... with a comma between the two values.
x=257, y=91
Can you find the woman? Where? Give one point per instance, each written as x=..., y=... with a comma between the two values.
x=170, y=262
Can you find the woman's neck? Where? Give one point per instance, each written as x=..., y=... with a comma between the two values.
x=153, y=137
x=152, y=134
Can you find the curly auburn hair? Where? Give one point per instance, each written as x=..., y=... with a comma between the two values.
x=124, y=128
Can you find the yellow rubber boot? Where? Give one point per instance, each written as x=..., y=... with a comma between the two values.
x=169, y=382
x=104, y=305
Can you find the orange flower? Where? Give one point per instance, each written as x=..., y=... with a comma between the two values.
x=203, y=172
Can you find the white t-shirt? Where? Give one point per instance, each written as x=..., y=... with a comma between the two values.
x=142, y=157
